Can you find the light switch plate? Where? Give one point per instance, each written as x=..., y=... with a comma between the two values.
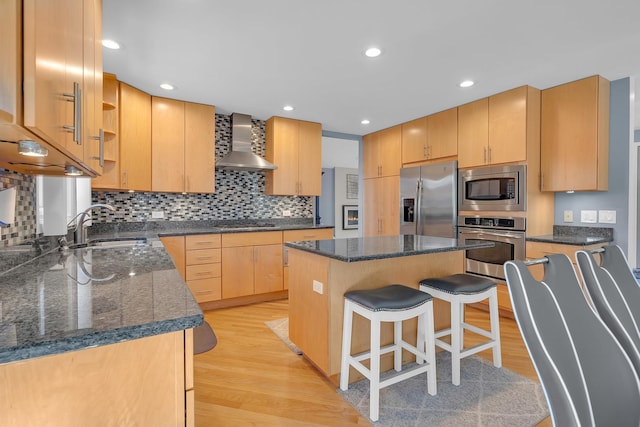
x=568, y=216
x=157, y=214
x=607, y=217
x=318, y=287
x=589, y=216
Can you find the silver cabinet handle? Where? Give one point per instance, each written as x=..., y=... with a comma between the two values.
x=489, y=154
x=76, y=98
x=484, y=154
x=100, y=138
x=484, y=233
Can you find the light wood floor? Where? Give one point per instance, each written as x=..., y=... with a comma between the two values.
x=252, y=378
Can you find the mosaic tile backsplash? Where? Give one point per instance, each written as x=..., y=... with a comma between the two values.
x=25, y=226
x=238, y=195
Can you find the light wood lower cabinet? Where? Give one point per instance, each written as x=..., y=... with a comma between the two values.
x=141, y=382
x=251, y=263
x=297, y=236
x=235, y=265
x=203, y=266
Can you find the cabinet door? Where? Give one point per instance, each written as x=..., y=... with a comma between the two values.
x=442, y=134
x=49, y=59
x=167, y=139
x=135, y=139
x=391, y=151
x=92, y=85
x=508, y=126
x=310, y=159
x=414, y=141
x=473, y=133
x=237, y=271
x=371, y=155
x=390, y=205
x=370, y=215
x=267, y=268
x=575, y=136
x=199, y=154
x=282, y=150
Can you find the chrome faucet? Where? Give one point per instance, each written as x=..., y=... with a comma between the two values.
x=77, y=222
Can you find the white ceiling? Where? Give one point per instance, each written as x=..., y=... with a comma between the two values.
x=255, y=56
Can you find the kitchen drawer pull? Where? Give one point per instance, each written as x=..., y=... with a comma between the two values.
x=204, y=292
x=204, y=257
x=202, y=273
x=207, y=242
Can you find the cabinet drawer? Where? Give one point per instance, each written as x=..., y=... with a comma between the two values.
x=307, y=234
x=206, y=289
x=203, y=241
x=203, y=271
x=203, y=256
x=251, y=239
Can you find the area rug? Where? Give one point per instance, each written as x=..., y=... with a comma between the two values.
x=280, y=327
x=486, y=396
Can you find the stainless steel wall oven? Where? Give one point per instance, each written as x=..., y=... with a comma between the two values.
x=508, y=236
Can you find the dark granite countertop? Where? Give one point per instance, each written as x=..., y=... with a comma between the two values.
x=155, y=229
x=370, y=248
x=90, y=296
x=578, y=236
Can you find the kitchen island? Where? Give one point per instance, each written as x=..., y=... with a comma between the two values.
x=321, y=271
x=97, y=335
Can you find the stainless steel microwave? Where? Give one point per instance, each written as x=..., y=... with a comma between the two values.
x=492, y=188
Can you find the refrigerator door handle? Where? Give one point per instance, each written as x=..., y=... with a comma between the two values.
x=417, y=209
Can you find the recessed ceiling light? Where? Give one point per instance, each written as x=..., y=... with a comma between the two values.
x=110, y=44
x=166, y=86
x=32, y=149
x=372, y=52
x=287, y=108
x=365, y=122
x=70, y=170
x=467, y=83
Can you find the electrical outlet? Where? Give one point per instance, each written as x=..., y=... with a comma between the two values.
x=568, y=216
x=318, y=287
x=607, y=217
x=589, y=216
x=157, y=214
x=286, y=212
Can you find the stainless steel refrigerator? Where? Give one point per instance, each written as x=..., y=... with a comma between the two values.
x=428, y=199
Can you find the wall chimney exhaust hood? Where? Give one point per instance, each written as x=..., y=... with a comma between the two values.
x=240, y=157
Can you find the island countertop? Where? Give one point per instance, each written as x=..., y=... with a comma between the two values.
x=381, y=247
x=91, y=296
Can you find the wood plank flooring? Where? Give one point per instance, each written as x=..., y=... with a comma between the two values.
x=252, y=378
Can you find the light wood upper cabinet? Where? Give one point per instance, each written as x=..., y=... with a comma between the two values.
x=575, y=136
x=295, y=147
x=510, y=121
x=473, y=133
x=199, y=150
x=381, y=215
x=167, y=149
x=110, y=178
x=414, y=141
x=93, y=131
x=135, y=139
x=382, y=153
x=431, y=137
x=182, y=155
x=442, y=134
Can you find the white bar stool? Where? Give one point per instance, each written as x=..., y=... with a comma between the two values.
x=393, y=303
x=461, y=289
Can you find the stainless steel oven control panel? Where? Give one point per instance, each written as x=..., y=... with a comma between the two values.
x=499, y=223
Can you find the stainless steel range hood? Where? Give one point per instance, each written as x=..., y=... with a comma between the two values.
x=240, y=157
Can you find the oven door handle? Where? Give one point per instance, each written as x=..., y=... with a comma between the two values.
x=509, y=236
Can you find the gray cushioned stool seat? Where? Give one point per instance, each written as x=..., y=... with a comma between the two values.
x=459, y=284
x=389, y=298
